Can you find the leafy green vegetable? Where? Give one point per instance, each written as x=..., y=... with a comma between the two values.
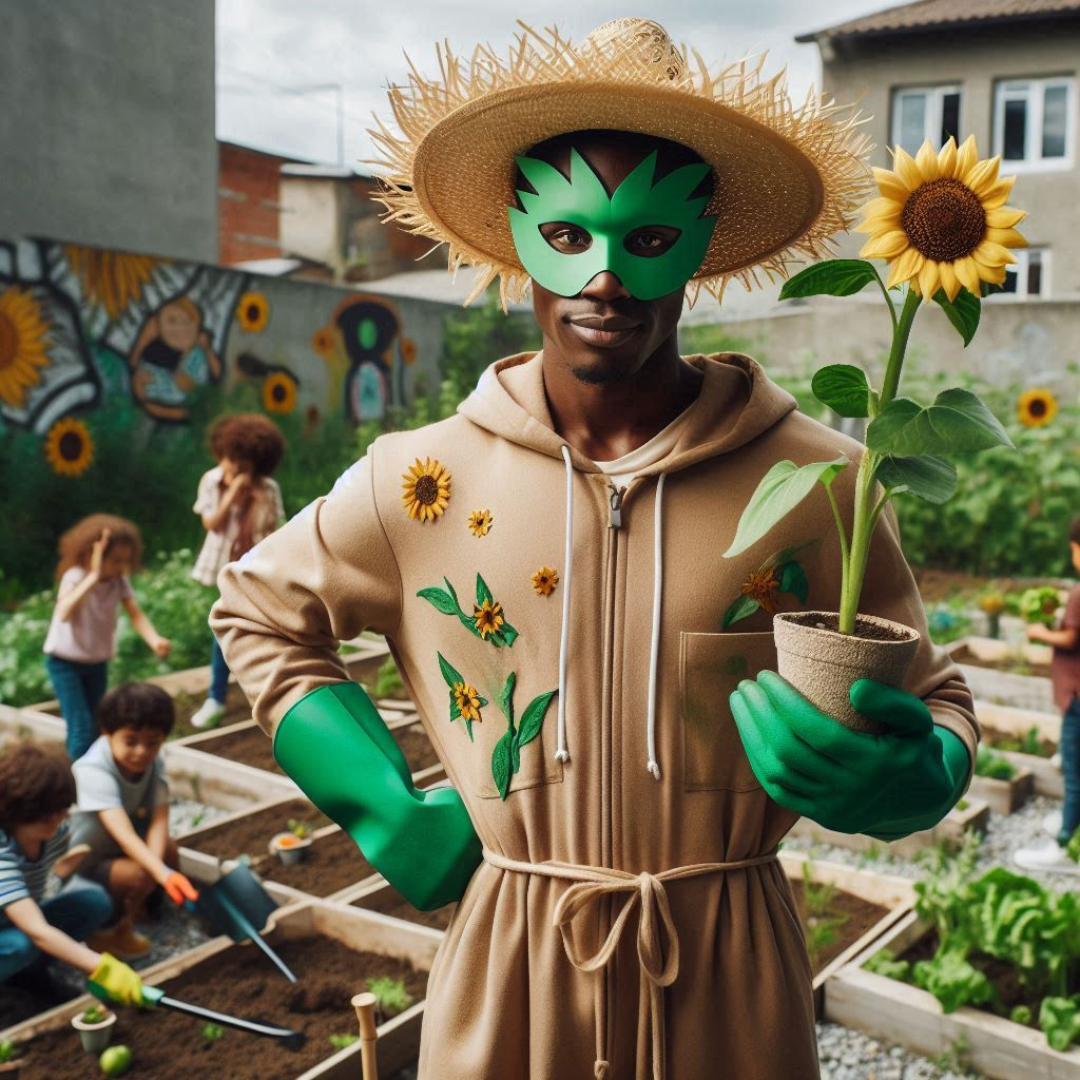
x=1059, y=1018
x=993, y=766
x=392, y=996
x=339, y=1042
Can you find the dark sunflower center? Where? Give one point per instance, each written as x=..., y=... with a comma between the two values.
x=427, y=490
x=253, y=313
x=1037, y=407
x=70, y=446
x=945, y=220
x=278, y=392
x=9, y=341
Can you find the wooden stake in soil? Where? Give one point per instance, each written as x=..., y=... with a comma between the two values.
x=364, y=1004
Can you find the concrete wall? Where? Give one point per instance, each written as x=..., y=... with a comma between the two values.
x=975, y=59
x=107, y=131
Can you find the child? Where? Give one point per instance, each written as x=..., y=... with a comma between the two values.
x=1065, y=675
x=239, y=504
x=36, y=789
x=123, y=811
x=96, y=557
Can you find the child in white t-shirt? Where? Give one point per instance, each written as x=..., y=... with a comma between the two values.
x=96, y=557
x=239, y=503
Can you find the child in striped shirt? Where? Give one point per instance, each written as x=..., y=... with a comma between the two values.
x=36, y=789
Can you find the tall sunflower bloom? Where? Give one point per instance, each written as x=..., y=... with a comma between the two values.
x=941, y=221
x=1036, y=407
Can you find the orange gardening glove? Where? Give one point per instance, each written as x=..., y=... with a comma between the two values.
x=179, y=888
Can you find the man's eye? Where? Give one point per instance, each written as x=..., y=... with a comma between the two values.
x=567, y=237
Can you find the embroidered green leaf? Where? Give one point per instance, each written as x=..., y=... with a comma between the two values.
x=793, y=580
x=508, y=634
x=532, y=719
x=450, y=590
x=515, y=753
x=482, y=592
x=782, y=488
x=501, y=762
x=469, y=624
x=449, y=673
x=444, y=602
x=741, y=609
x=455, y=712
x=506, y=699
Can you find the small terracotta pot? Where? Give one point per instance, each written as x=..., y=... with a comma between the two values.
x=94, y=1037
x=290, y=849
x=822, y=664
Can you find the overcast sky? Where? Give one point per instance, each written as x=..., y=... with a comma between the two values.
x=272, y=55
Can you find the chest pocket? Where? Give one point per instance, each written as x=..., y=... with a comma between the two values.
x=711, y=666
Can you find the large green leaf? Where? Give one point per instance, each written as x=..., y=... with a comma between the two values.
x=501, y=764
x=963, y=312
x=783, y=487
x=957, y=423
x=844, y=389
x=506, y=699
x=930, y=478
x=482, y=592
x=833, y=277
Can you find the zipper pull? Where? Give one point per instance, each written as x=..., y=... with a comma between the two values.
x=615, y=501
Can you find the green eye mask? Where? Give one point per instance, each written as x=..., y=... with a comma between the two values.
x=583, y=202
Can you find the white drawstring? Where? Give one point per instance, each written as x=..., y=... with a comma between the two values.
x=654, y=646
x=562, y=754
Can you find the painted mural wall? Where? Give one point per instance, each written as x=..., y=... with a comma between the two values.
x=97, y=343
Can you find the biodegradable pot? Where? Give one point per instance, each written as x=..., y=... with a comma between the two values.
x=289, y=848
x=822, y=663
x=94, y=1037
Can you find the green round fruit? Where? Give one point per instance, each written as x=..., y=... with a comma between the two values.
x=115, y=1061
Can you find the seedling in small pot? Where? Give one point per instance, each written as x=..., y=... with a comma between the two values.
x=291, y=847
x=95, y=1028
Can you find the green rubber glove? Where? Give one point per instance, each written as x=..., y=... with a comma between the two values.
x=113, y=982
x=886, y=786
x=338, y=749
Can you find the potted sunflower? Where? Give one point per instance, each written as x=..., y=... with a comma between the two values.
x=943, y=229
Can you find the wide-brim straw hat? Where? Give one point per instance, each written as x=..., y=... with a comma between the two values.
x=787, y=179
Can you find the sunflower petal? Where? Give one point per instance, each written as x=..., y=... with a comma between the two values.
x=983, y=176
x=966, y=158
x=1006, y=237
x=891, y=185
x=907, y=170
x=1005, y=217
x=949, y=281
x=929, y=279
x=998, y=195
x=992, y=254
x=967, y=271
x=947, y=158
x=927, y=161
x=886, y=246
x=907, y=266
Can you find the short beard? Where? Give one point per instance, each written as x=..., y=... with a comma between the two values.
x=597, y=377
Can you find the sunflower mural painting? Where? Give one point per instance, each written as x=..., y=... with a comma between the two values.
x=69, y=449
x=24, y=337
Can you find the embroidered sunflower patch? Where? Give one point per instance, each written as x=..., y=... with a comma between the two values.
x=487, y=621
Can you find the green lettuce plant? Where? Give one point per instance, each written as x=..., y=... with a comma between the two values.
x=1039, y=605
x=910, y=447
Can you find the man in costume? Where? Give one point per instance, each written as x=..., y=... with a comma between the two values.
x=622, y=911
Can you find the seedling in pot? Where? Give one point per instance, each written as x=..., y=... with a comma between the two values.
x=95, y=1028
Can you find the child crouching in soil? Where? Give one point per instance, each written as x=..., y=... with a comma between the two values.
x=123, y=812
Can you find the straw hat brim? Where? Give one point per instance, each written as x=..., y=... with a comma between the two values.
x=767, y=193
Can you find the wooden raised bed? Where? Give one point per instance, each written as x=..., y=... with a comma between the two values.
x=986, y=663
x=975, y=817
x=380, y=896
x=875, y=902
x=1004, y=796
x=333, y=864
x=332, y=948
x=889, y=1009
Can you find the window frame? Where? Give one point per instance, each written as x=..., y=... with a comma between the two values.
x=1021, y=266
x=933, y=120
x=1034, y=131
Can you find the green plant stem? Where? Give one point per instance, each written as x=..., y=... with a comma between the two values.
x=888, y=298
x=867, y=510
x=840, y=529
x=901, y=332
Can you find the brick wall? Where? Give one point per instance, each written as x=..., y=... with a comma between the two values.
x=248, y=204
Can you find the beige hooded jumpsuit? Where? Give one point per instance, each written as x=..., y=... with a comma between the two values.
x=638, y=769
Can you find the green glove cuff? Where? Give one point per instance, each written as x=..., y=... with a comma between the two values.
x=957, y=760
x=339, y=751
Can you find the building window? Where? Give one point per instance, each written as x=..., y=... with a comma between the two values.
x=925, y=112
x=1035, y=121
x=1029, y=276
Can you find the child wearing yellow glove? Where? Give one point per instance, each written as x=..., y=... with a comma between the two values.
x=36, y=790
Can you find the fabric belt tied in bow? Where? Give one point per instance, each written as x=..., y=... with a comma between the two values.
x=657, y=936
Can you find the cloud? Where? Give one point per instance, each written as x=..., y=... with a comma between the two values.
x=270, y=51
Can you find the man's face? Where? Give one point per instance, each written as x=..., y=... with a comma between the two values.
x=597, y=261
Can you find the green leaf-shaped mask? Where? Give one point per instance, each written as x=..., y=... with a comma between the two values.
x=583, y=202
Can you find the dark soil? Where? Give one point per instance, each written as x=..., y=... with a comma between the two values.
x=858, y=916
x=251, y=834
x=1003, y=976
x=1010, y=664
x=333, y=862
x=236, y=710
x=863, y=627
x=252, y=747
x=1007, y=740
x=389, y=901
x=168, y=1045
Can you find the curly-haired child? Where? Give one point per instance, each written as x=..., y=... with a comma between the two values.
x=239, y=504
x=96, y=557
